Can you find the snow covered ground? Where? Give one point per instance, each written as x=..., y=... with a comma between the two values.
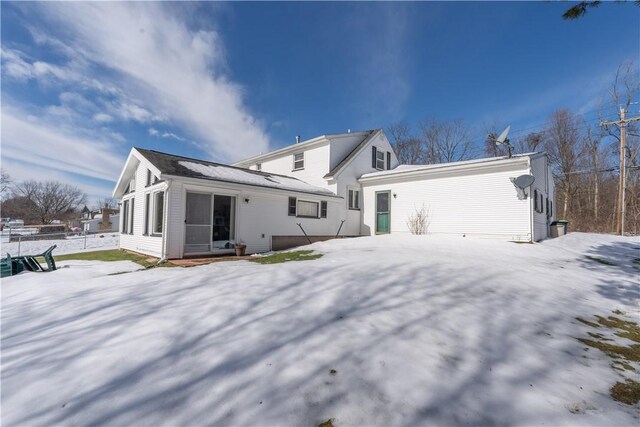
x=419, y=330
x=70, y=245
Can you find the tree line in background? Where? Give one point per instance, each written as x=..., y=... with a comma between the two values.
x=42, y=202
x=585, y=156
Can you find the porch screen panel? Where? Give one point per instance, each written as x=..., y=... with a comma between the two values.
x=198, y=223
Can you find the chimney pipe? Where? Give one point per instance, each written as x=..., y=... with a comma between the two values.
x=297, y=139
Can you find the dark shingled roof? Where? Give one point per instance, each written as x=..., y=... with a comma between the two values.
x=170, y=164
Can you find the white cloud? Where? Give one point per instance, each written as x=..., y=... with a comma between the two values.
x=165, y=134
x=53, y=148
x=176, y=72
x=134, y=112
x=102, y=117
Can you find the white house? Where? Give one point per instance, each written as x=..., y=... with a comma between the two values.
x=346, y=184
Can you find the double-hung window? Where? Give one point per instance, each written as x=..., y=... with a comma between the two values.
x=158, y=212
x=354, y=199
x=379, y=160
x=298, y=161
x=125, y=217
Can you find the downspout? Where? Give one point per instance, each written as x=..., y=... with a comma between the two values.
x=165, y=220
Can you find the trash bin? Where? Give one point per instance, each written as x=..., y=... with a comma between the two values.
x=559, y=228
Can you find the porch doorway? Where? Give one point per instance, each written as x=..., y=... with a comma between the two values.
x=209, y=223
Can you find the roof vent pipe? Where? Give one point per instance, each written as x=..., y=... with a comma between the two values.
x=297, y=139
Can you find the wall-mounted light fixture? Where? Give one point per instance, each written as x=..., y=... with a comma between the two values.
x=395, y=195
x=246, y=200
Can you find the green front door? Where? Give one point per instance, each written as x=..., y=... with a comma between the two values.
x=383, y=212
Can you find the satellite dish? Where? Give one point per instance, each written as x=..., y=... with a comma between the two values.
x=503, y=136
x=524, y=181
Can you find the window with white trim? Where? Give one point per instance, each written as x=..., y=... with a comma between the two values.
x=354, y=199
x=307, y=209
x=298, y=161
x=292, y=206
x=125, y=217
x=147, y=212
x=380, y=160
x=158, y=212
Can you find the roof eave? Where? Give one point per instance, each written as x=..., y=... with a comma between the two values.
x=241, y=184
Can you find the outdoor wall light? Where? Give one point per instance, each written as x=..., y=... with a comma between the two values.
x=395, y=195
x=246, y=200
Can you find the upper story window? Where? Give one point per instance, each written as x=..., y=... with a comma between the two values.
x=151, y=178
x=298, y=161
x=378, y=159
x=132, y=185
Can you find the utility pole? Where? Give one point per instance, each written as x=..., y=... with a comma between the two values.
x=622, y=124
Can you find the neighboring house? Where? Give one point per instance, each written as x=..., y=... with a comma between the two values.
x=103, y=219
x=348, y=184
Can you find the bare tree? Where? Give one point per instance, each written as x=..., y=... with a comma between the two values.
x=51, y=200
x=563, y=143
x=106, y=202
x=5, y=183
x=530, y=143
x=446, y=141
x=407, y=147
x=580, y=9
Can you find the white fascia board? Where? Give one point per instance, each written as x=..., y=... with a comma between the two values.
x=446, y=169
x=244, y=187
x=289, y=149
x=133, y=155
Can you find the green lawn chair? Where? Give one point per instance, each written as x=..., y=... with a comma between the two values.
x=6, y=269
x=30, y=262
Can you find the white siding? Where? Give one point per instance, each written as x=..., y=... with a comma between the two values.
x=474, y=203
x=342, y=145
x=316, y=165
x=137, y=242
x=265, y=215
x=348, y=177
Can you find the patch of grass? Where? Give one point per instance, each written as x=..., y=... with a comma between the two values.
x=630, y=330
x=600, y=260
x=328, y=423
x=636, y=261
x=615, y=351
x=333, y=372
x=621, y=365
x=112, y=255
x=306, y=255
x=619, y=312
x=588, y=323
x=627, y=392
x=598, y=336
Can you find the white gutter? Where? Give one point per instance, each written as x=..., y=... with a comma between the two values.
x=445, y=168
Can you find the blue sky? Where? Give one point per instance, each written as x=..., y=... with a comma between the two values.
x=82, y=83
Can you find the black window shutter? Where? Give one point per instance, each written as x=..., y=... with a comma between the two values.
x=323, y=209
x=388, y=160
x=373, y=157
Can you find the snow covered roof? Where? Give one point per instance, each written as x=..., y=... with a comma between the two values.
x=462, y=164
x=305, y=144
x=173, y=165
